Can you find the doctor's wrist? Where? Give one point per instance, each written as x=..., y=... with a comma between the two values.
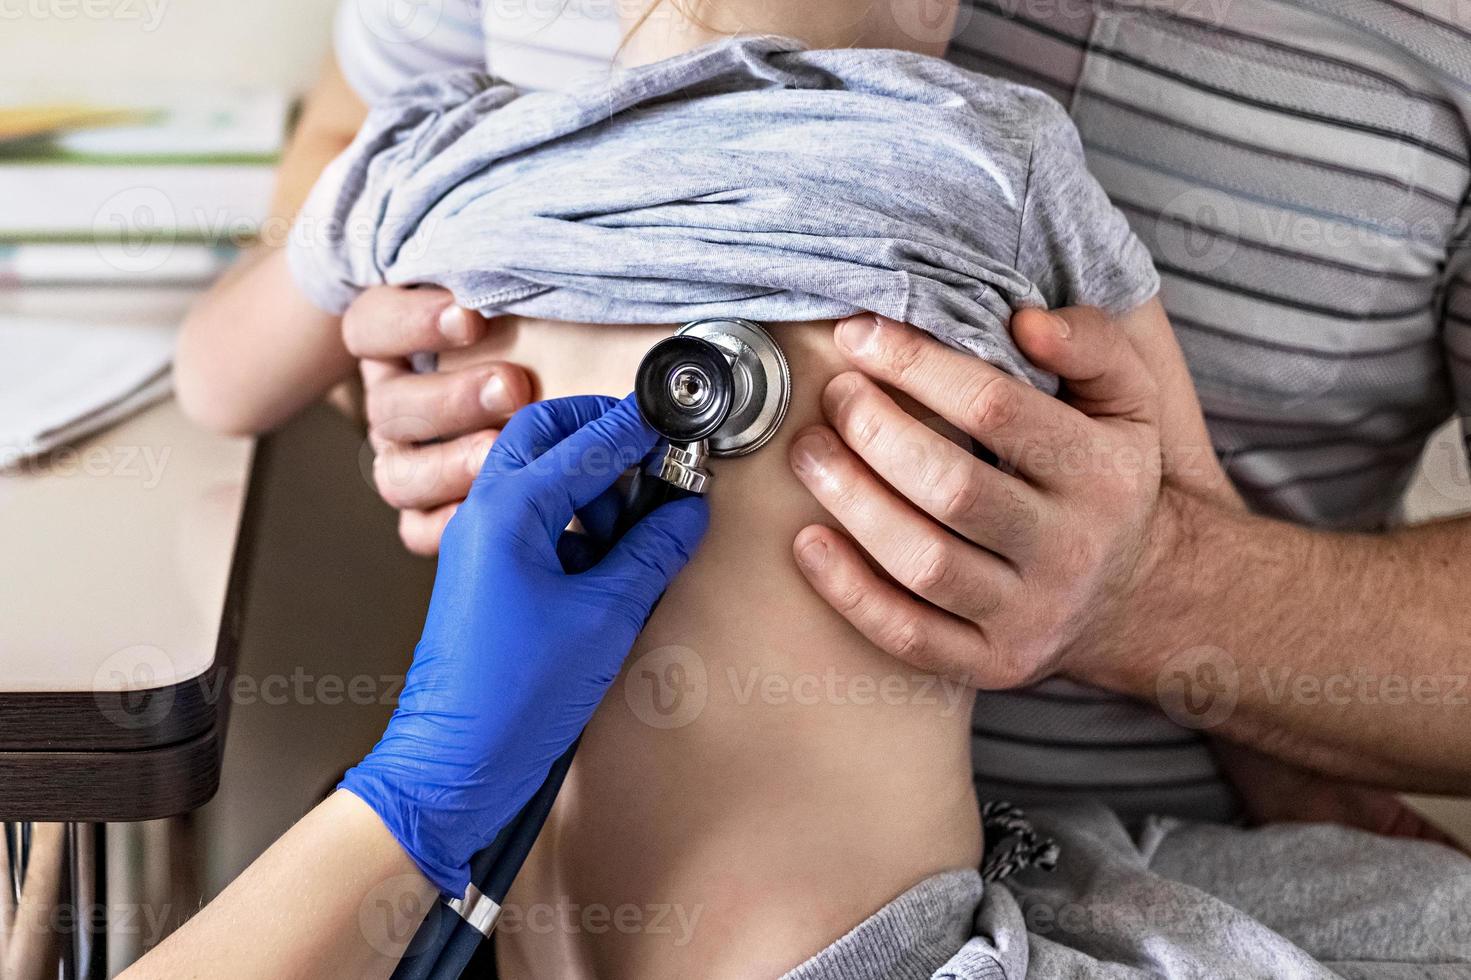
x=425, y=835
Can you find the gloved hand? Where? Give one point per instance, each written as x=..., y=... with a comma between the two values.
x=517, y=652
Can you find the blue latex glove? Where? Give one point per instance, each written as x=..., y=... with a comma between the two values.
x=517, y=652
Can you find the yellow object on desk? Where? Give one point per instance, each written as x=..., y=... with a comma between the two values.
x=19, y=123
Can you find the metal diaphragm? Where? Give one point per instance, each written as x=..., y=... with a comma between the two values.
x=761, y=383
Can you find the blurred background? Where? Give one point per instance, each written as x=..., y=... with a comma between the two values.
x=98, y=559
x=122, y=525
x=57, y=47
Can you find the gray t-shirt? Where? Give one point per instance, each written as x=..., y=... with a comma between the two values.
x=750, y=177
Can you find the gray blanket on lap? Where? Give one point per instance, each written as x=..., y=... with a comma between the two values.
x=750, y=177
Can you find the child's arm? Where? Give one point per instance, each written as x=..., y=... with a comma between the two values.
x=253, y=351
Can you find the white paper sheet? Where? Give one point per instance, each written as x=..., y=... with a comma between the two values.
x=62, y=380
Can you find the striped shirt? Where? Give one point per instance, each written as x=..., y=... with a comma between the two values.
x=1299, y=170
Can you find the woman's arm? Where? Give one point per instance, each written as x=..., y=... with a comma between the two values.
x=253, y=350
x=336, y=896
x=476, y=729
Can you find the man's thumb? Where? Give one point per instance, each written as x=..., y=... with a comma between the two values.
x=1102, y=373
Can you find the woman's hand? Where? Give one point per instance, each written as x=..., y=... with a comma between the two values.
x=431, y=432
x=517, y=652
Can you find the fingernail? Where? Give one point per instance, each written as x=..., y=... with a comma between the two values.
x=856, y=333
x=1063, y=328
x=454, y=323
x=809, y=452
x=813, y=554
x=494, y=397
x=841, y=388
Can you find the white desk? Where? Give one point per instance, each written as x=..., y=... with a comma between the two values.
x=117, y=558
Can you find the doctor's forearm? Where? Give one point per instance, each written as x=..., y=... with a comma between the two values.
x=336, y=896
x=1350, y=652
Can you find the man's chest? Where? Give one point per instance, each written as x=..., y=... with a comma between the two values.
x=1299, y=183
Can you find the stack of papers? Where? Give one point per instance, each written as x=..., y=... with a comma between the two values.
x=135, y=192
x=131, y=198
x=60, y=381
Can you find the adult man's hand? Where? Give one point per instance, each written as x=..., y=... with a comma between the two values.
x=431, y=432
x=1332, y=652
x=1008, y=562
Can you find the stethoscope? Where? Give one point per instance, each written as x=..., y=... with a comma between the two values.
x=719, y=387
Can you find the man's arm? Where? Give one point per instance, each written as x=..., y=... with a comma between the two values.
x=1075, y=557
x=1348, y=654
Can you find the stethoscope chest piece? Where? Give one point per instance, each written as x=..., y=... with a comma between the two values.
x=718, y=387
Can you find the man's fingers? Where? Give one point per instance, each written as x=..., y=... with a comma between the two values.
x=991, y=508
x=1104, y=375
x=1006, y=414
x=419, y=477
x=395, y=321
x=420, y=530
x=919, y=554
x=891, y=619
x=407, y=407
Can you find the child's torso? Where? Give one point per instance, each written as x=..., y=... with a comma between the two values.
x=760, y=779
